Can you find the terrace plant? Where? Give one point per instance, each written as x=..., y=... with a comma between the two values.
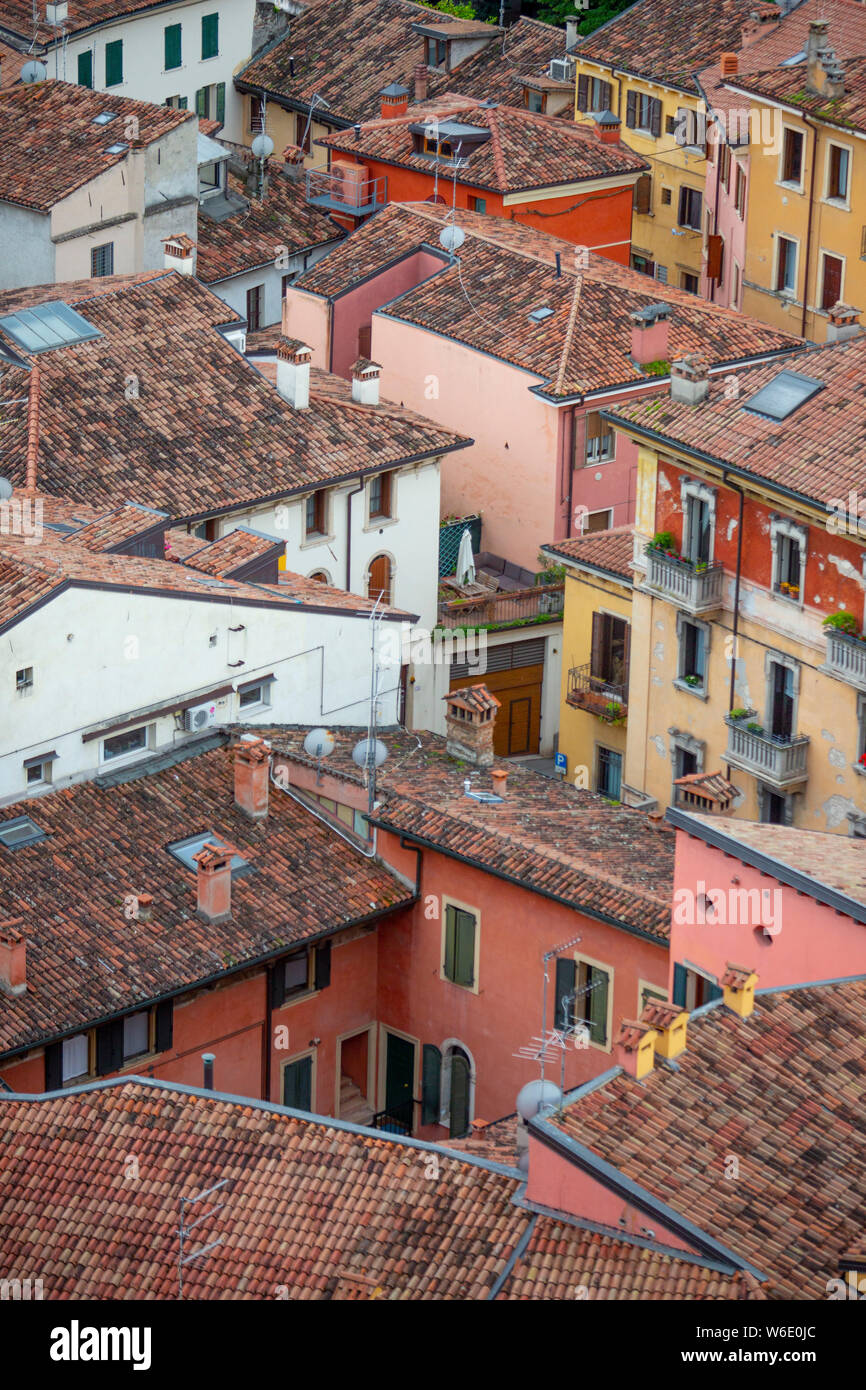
x=844, y=622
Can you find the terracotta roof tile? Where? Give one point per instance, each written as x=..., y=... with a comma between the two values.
x=17, y=15
x=283, y=223
x=788, y=85
x=611, y=551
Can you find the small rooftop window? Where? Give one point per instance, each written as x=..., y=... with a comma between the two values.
x=14, y=834
x=48, y=326
x=185, y=850
x=539, y=315
x=117, y=149
x=797, y=58
x=783, y=395
x=209, y=580
x=104, y=117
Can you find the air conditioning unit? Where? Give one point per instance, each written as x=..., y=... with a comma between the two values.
x=563, y=69
x=199, y=717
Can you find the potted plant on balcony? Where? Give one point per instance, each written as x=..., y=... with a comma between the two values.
x=664, y=543
x=845, y=624
x=612, y=713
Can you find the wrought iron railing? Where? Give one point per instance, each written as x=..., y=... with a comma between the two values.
x=589, y=692
x=395, y=1119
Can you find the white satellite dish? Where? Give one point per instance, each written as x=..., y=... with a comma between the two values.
x=536, y=1096
x=262, y=146
x=319, y=743
x=452, y=237
x=370, y=752
x=34, y=71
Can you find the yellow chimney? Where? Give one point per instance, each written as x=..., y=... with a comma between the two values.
x=738, y=985
x=635, y=1048
x=669, y=1022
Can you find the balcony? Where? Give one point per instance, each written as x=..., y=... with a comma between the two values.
x=497, y=609
x=777, y=759
x=598, y=697
x=698, y=591
x=846, y=658
x=346, y=189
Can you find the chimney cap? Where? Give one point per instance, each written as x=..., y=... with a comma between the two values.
x=651, y=313
x=395, y=91
x=737, y=976
x=844, y=313
x=477, y=699
x=365, y=369
x=212, y=856
x=691, y=365
x=293, y=350
x=606, y=118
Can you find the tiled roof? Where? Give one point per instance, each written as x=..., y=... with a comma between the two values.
x=50, y=146
x=607, y=861
x=611, y=551
x=206, y=431
x=815, y=452
x=788, y=85
x=312, y=1211
x=17, y=16
x=785, y=1093
x=670, y=40
x=346, y=51
x=525, y=150
x=233, y=551
x=85, y=960
x=283, y=224
x=116, y=528
x=712, y=786
x=506, y=271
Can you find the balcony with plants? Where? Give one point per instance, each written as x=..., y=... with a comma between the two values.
x=846, y=649
x=607, y=701
x=694, y=585
x=779, y=759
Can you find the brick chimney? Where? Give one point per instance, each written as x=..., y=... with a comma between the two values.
x=365, y=381
x=394, y=101
x=650, y=334
x=728, y=64
x=499, y=778
x=470, y=715
x=252, y=768
x=293, y=372
x=634, y=1049
x=214, y=883
x=690, y=379
x=13, y=957
x=421, y=82
x=179, y=254
x=607, y=127
x=844, y=323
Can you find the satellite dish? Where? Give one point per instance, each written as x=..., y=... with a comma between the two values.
x=369, y=753
x=34, y=72
x=262, y=147
x=536, y=1096
x=319, y=743
x=5, y=489
x=452, y=237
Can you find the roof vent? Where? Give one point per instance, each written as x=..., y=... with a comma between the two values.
x=539, y=315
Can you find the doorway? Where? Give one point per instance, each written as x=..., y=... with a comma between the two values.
x=399, y=1084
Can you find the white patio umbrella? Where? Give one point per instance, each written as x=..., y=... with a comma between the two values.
x=465, y=571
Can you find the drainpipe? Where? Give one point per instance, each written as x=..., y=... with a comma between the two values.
x=569, y=434
x=814, y=130
x=716, y=209
x=736, y=622
x=349, y=496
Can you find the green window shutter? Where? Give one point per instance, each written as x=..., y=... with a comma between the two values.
x=210, y=35
x=221, y=102
x=459, y=1101
x=431, y=1082
x=464, y=957
x=566, y=977
x=183, y=104
x=85, y=69
x=298, y=1084
x=450, y=941
x=172, y=46
x=680, y=978
x=201, y=101
x=598, y=1004
x=114, y=63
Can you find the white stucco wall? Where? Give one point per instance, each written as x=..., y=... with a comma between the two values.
x=28, y=253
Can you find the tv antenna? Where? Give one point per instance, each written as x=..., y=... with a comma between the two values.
x=184, y=1230
x=553, y=1042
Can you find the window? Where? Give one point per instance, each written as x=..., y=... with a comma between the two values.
x=831, y=281
x=597, y=521
x=136, y=1033
x=643, y=113
x=38, y=772
x=477, y=204
x=642, y=196
x=298, y=1083
x=698, y=528
x=789, y=542
x=114, y=63
x=686, y=762
x=76, y=1058
x=773, y=808
x=209, y=176
x=296, y=972
x=781, y=719
x=20, y=831
x=379, y=579
x=648, y=992
x=740, y=193
x=792, y=157
x=102, y=259
x=600, y=440
x=593, y=94
x=593, y=999
x=735, y=287
x=249, y=696
x=303, y=133
x=24, y=679
x=254, y=308
x=210, y=29
x=303, y=972
x=321, y=577
x=610, y=651
x=533, y=101
x=666, y=197
x=725, y=167
x=130, y=741
x=437, y=53
x=316, y=513
x=662, y=274
x=171, y=35
x=380, y=495
x=257, y=115
x=609, y=774
x=85, y=68
x=643, y=264
x=692, y=989
x=693, y=654
x=177, y=103
x=202, y=103
x=689, y=211
x=459, y=954
x=837, y=173
x=689, y=282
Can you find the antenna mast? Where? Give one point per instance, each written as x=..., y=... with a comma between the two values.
x=185, y=1230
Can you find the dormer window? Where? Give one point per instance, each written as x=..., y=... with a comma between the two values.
x=209, y=177
x=437, y=53
x=532, y=100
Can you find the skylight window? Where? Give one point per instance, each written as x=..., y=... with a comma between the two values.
x=15, y=834
x=185, y=850
x=539, y=315
x=104, y=117
x=117, y=149
x=47, y=326
x=783, y=395
x=209, y=580
x=797, y=58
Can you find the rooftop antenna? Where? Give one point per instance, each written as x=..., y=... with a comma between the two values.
x=185, y=1230
x=262, y=148
x=551, y=1042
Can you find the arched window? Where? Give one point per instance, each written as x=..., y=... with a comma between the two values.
x=379, y=578
x=321, y=577
x=458, y=1090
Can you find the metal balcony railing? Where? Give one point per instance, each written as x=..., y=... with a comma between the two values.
x=589, y=692
x=499, y=608
x=697, y=590
x=333, y=190
x=776, y=758
x=397, y=1119
x=846, y=657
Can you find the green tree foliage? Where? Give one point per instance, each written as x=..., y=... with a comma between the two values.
x=558, y=11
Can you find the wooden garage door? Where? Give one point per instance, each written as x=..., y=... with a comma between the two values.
x=518, y=722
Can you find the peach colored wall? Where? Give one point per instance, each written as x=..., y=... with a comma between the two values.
x=307, y=317
x=814, y=943
x=354, y=310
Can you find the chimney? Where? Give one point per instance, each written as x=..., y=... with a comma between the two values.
x=499, y=778
x=208, y=1059
x=607, y=127
x=179, y=254
x=252, y=767
x=669, y=1022
x=844, y=323
x=394, y=101
x=214, y=883
x=571, y=35
x=824, y=72
x=650, y=334
x=470, y=715
x=634, y=1049
x=365, y=381
x=421, y=82
x=13, y=957
x=145, y=907
x=738, y=989
x=728, y=64
x=689, y=379
x=32, y=467
x=293, y=372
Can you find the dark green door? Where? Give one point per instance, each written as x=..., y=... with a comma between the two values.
x=459, y=1104
x=399, y=1082
x=298, y=1084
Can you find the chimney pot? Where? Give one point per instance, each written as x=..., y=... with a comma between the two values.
x=499, y=778
x=13, y=958
x=394, y=101
x=844, y=323
x=179, y=254
x=208, y=1059
x=145, y=906
x=728, y=64
x=607, y=127
x=421, y=82
x=293, y=372
x=365, y=381
x=635, y=1048
x=738, y=989
x=214, y=883
x=252, y=769
x=690, y=379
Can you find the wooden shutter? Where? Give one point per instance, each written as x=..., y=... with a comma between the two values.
x=626, y=660
x=566, y=977
x=164, y=1025
x=54, y=1066
x=598, y=1005
x=209, y=35
x=464, y=948
x=459, y=1099
x=201, y=102
x=109, y=1047
x=114, y=63
x=714, y=258
x=597, y=644
x=680, y=981
x=323, y=966
x=605, y=89
x=582, y=93
x=277, y=984
x=85, y=68
x=298, y=1084
x=832, y=287
x=172, y=46
x=655, y=116
x=631, y=110
x=431, y=1084
x=643, y=193
x=450, y=941
x=221, y=102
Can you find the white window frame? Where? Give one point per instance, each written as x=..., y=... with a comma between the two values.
x=778, y=238
x=783, y=526
x=693, y=489
x=683, y=620
x=375, y=523
x=119, y=759
x=261, y=704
